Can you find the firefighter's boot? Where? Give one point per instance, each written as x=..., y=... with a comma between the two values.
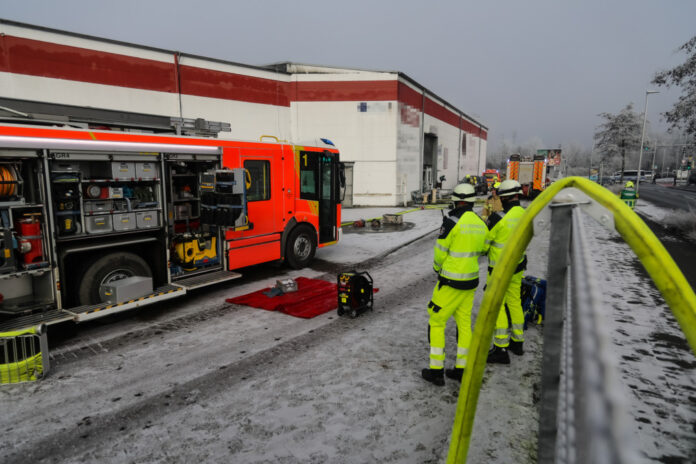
x=516, y=348
x=498, y=355
x=435, y=376
x=455, y=374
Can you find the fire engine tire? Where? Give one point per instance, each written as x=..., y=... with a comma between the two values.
x=300, y=247
x=107, y=269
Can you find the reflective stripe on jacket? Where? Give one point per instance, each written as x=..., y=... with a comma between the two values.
x=500, y=233
x=629, y=196
x=458, y=248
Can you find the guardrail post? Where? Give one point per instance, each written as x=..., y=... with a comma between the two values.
x=556, y=302
x=43, y=344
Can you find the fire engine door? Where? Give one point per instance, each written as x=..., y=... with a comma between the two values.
x=319, y=182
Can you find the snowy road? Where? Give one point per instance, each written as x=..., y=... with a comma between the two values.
x=201, y=380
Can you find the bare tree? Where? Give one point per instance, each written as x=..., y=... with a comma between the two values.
x=683, y=113
x=617, y=134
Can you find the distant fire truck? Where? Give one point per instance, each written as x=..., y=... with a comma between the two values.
x=531, y=174
x=97, y=222
x=492, y=176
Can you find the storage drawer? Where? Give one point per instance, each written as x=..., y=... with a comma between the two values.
x=65, y=166
x=98, y=224
x=119, y=206
x=97, y=206
x=124, y=221
x=146, y=170
x=122, y=170
x=147, y=219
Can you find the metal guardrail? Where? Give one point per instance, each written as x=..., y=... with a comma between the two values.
x=589, y=407
x=583, y=416
x=23, y=355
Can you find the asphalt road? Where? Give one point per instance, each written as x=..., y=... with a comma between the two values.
x=682, y=198
x=680, y=247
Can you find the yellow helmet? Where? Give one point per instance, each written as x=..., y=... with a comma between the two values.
x=509, y=187
x=629, y=184
x=464, y=192
x=496, y=185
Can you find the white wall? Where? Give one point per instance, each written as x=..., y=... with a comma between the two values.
x=62, y=91
x=409, y=161
x=474, y=157
x=367, y=138
x=249, y=121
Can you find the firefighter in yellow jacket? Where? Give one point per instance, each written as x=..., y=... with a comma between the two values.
x=502, y=226
x=457, y=251
x=492, y=203
x=628, y=195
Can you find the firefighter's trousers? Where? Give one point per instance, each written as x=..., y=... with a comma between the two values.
x=510, y=313
x=448, y=302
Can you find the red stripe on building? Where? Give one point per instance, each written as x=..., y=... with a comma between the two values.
x=36, y=58
x=44, y=59
x=229, y=86
x=410, y=97
x=344, y=91
x=438, y=111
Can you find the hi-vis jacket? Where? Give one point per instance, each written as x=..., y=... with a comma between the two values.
x=458, y=248
x=502, y=225
x=628, y=196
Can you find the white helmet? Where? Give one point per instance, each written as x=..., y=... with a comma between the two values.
x=464, y=192
x=509, y=187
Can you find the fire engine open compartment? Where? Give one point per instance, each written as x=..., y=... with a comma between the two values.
x=26, y=277
x=108, y=210
x=203, y=200
x=104, y=193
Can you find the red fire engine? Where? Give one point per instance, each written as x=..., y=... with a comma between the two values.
x=97, y=222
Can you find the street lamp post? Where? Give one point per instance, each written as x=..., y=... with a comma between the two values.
x=589, y=174
x=642, y=139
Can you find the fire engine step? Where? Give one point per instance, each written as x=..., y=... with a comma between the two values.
x=53, y=316
x=87, y=312
x=202, y=280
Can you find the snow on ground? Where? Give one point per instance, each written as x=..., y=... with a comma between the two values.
x=656, y=364
x=651, y=211
x=209, y=382
x=365, y=243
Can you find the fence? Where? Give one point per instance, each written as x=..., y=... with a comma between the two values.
x=23, y=355
x=581, y=415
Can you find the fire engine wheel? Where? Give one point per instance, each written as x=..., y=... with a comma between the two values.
x=301, y=246
x=108, y=269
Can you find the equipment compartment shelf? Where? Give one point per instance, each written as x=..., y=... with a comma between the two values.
x=82, y=235
x=68, y=212
x=117, y=181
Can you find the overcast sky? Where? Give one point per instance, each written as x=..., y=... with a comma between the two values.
x=533, y=68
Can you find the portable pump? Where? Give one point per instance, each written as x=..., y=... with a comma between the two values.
x=355, y=293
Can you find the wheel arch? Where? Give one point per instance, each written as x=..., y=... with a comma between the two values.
x=76, y=259
x=289, y=227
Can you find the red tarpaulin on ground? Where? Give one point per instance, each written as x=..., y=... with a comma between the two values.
x=312, y=298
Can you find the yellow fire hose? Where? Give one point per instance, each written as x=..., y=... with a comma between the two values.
x=664, y=272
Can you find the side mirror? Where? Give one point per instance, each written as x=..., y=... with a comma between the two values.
x=341, y=181
x=342, y=174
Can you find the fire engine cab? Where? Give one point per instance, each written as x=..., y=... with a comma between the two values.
x=97, y=222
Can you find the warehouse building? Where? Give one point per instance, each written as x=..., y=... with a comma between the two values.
x=395, y=135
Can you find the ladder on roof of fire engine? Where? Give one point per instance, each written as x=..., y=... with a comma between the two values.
x=20, y=111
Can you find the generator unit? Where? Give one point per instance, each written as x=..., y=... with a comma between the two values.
x=355, y=293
